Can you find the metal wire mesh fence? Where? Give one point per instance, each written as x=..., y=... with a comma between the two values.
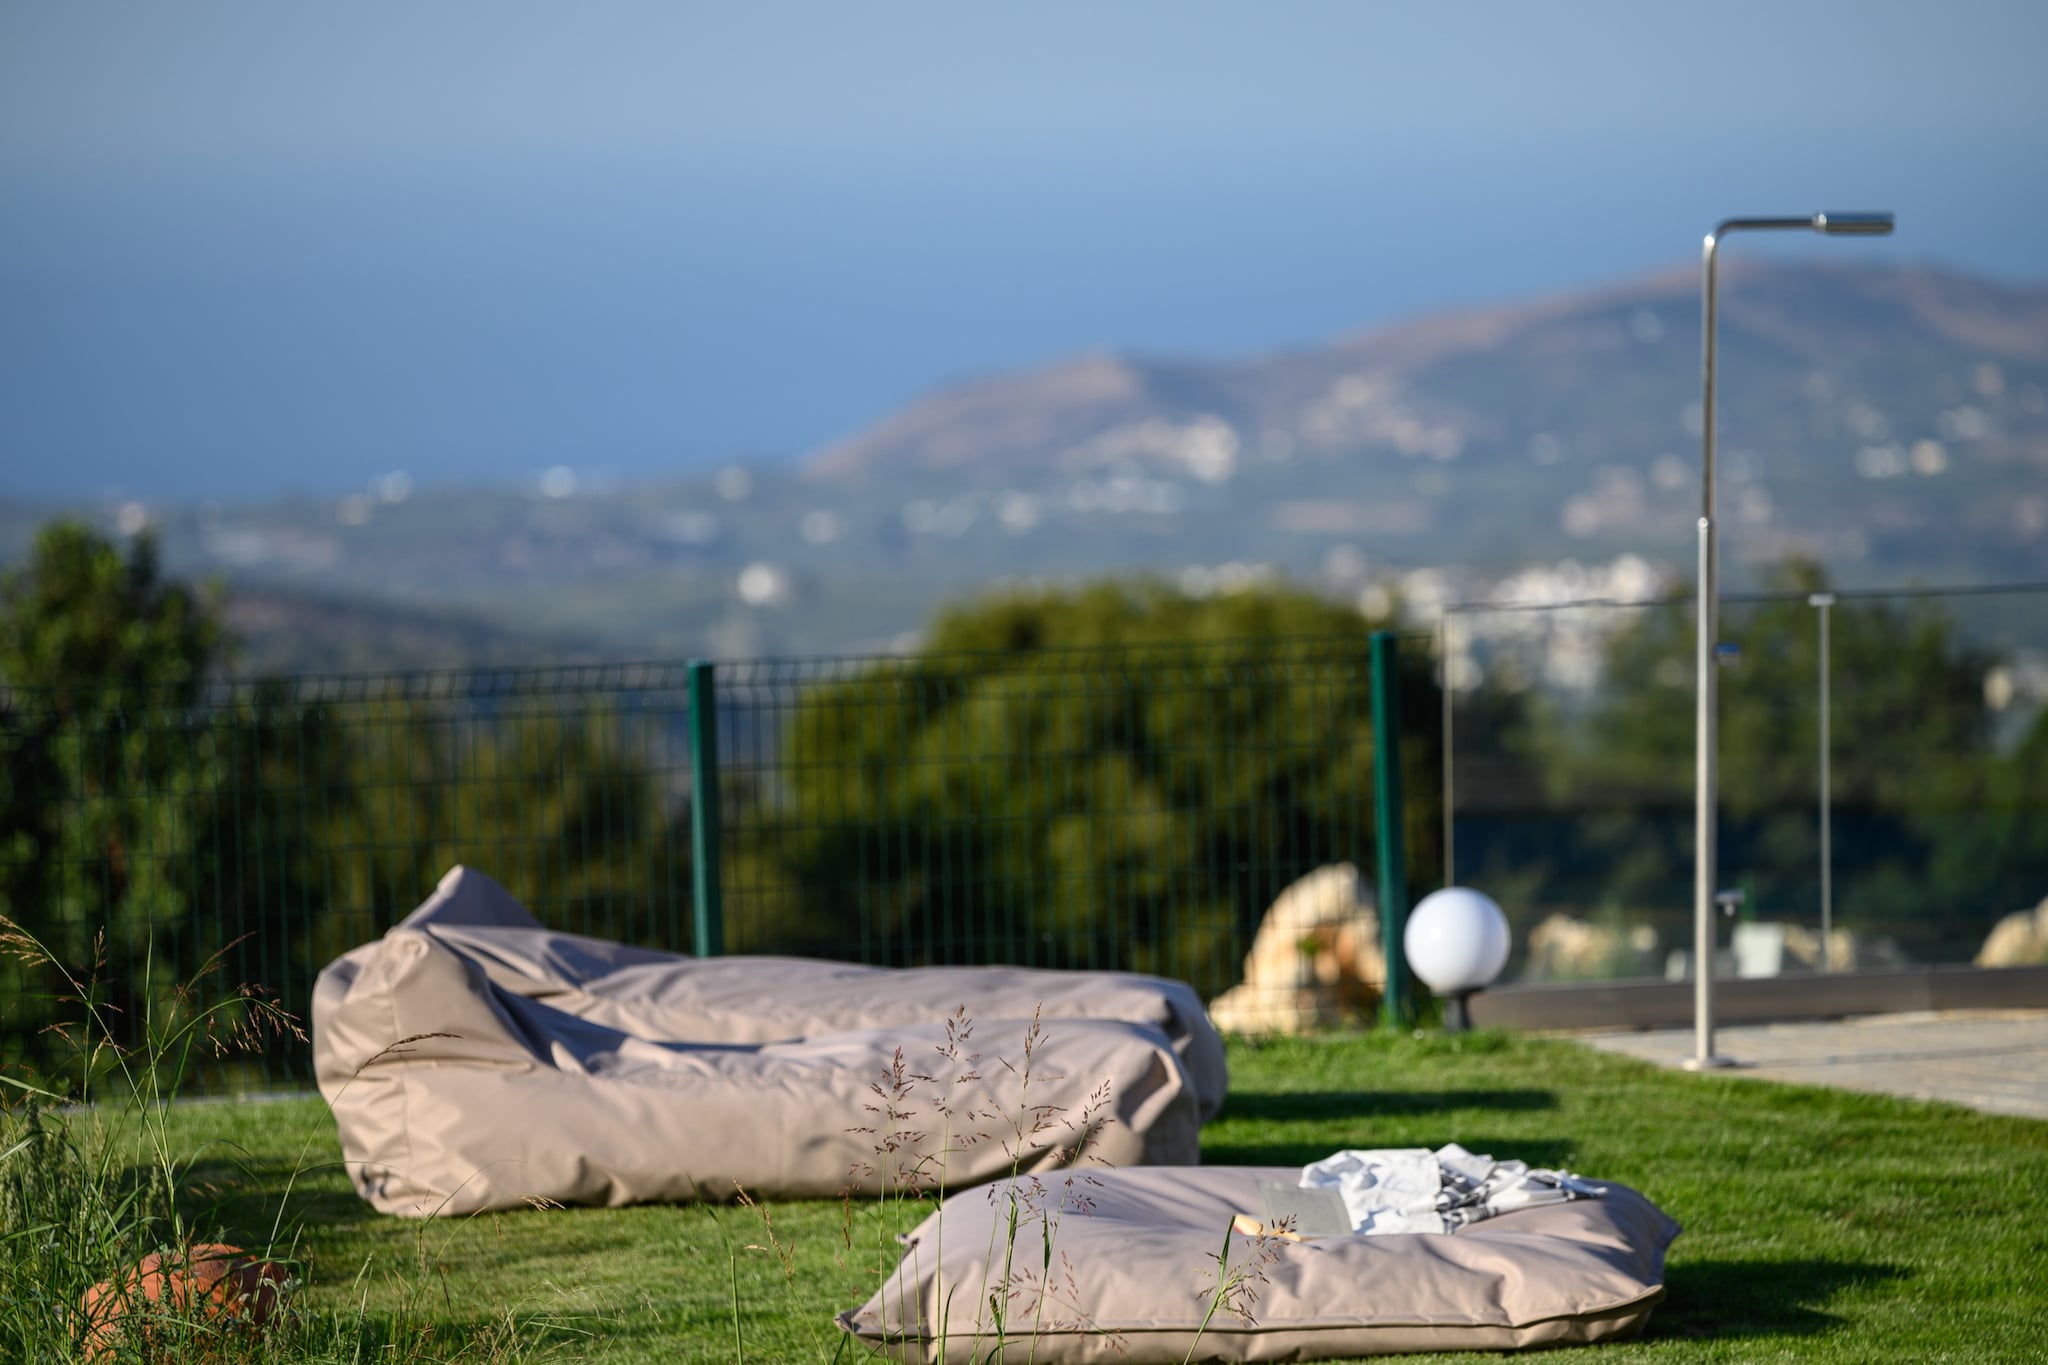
x=1919, y=822
x=252, y=833
x=1134, y=808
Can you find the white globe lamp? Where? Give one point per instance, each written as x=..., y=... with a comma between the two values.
x=1457, y=942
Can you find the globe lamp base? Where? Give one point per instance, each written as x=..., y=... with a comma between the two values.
x=1458, y=1012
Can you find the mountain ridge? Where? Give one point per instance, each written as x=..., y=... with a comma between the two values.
x=1048, y=411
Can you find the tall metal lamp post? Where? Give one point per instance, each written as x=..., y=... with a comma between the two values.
x=1708, y=612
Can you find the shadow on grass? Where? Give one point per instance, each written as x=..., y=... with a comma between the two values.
x=1348, y=1118
x=1536, y=1151
x=1284, y=1106
x=243, y=1194
x=1759, y=1298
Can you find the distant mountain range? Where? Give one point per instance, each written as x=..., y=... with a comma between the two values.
x=1891, y=423
x=1886, y=421
x=1815, y=355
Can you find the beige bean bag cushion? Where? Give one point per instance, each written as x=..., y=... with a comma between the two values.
x=477, y=1060
x=1133, y=1269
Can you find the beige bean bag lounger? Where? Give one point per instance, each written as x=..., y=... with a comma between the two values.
x=477, y=1060
x=1133, y=1269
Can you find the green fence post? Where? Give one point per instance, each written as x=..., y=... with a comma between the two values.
x=1389, y=825
x=706, y=889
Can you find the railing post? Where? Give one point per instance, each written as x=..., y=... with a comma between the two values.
x=706, y=889
x=1389, y=824
x=1821, y=601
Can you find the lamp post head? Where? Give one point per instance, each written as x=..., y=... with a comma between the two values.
x=1853, y=224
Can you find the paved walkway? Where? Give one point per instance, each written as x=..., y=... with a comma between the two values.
x=1994, y=1061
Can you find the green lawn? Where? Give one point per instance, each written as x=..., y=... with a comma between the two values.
x=1820, y=1225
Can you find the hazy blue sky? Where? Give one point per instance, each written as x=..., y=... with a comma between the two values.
x=254, y=247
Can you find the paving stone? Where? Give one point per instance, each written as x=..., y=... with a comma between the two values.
x=1996, y=1062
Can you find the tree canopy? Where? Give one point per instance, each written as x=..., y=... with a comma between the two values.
x=153, y=815
x=1921, y=794
x=1115, y=775
x=91, y=627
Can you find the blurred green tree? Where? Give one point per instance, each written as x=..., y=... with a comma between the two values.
x=92, y=629
x=1117, y=775
x=152, y=816
x=93, y=644
x=1911, y=747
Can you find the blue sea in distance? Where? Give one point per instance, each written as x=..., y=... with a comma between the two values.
x=261, y=330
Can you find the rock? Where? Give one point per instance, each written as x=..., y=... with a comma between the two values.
x=2018, y=940
x=1795, y=949
x=1802, y=949
x=1315, y=962
x=1562, y=948
x=212, y=1281
x=1776, y=947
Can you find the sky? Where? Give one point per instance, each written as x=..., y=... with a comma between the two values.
x=250, y=249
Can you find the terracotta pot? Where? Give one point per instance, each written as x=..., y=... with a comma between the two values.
x=215, y=1282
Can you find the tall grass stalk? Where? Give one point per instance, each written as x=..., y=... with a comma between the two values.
x=93, y=1180
x=1237, y=1287
x=1030, y=1219
x=76, y=1210
x=732, y=1267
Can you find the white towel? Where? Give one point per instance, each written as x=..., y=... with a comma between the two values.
x=1412, y=1189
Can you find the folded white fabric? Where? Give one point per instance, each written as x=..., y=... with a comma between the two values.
x=1412, y=1189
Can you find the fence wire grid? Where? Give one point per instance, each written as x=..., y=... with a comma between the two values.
x=1133, y=808
x=1917, y=825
